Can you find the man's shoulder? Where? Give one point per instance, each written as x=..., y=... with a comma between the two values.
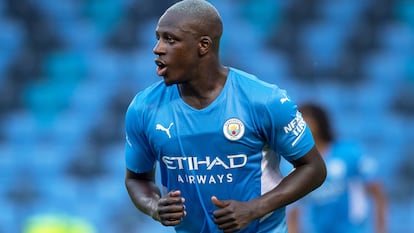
x=152, y=90
x=241, y=73
x=148, y=96
x=250, y=82
x=245, y=77
x=261, y=92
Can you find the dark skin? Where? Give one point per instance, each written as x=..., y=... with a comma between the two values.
x=169, y=210
x=189, y=59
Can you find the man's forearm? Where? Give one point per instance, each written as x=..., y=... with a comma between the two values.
x=380, y=205
x=144, y=195
x=297, y=184
x=143, y=191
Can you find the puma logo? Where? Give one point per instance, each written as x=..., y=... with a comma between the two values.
x=284, y=99
x=166, y=130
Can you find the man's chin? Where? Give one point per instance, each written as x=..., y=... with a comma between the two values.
x=168, y=82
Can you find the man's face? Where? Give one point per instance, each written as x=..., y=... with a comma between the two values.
x=176, y=49
x=313, y=126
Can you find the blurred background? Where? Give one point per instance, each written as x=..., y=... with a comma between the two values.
x=69, y=68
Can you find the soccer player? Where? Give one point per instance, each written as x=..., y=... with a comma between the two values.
x=218, y=134
x=341, y=204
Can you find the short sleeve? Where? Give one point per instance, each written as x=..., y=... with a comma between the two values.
x=286, y=130
x=138, y=155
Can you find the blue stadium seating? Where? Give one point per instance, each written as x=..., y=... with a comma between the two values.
x=12, y=37
x=397, y=38
x=84, y=84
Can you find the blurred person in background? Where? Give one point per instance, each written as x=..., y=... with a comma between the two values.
x=342, y=204
x=218, y=134
x=57, y=223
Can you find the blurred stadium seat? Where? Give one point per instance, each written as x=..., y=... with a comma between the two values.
x=68, y=70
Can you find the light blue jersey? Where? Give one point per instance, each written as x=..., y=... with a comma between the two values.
x=340, y=205
x=230, y=149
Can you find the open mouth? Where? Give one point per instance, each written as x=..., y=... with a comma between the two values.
x=161, y=67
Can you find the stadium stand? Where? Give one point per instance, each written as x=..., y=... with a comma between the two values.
x=68, y=70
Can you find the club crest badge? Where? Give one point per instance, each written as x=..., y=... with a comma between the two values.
x=233, y=129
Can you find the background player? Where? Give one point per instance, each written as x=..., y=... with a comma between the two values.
x=339, y=205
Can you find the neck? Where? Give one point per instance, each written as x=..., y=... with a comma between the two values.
x=202, y=90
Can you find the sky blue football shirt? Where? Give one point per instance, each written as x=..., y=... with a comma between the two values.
x=341, y=204
x=230, y=149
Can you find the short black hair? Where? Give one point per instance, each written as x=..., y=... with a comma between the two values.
x=203, y=15
x=321, y=118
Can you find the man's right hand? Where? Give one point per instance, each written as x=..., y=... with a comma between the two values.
x=171, y=209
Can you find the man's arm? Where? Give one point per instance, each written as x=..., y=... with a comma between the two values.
x=143, y=192
x=146, y=196
x=380, y=205
x=293, y=220
x=309, y=173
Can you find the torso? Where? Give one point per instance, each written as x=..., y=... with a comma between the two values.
x=220, y=150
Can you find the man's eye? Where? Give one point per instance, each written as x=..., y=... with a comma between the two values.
x=169, y=39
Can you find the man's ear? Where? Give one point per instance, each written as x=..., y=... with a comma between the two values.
x=205, y=45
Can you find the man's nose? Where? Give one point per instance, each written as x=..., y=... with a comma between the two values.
x=158, y=48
